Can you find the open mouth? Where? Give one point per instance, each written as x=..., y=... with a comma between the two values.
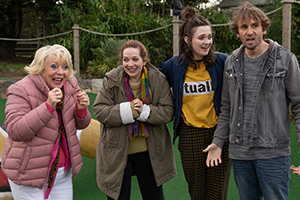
x=57, y=80
x=132, y=69
x=205, y=47
x=205, y=50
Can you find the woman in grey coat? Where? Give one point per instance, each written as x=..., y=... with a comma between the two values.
x=133, y=106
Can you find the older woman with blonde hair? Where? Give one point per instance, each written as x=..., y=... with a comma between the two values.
x=43, y=112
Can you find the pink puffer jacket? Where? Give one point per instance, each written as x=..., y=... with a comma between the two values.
x=32, y=130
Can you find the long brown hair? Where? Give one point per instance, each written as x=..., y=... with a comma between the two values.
x=191, y=20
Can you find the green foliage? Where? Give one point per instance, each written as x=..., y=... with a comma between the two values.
x=12, y=69
x=295, y=44
x=114, y=17
x=275, y=30
x=131, y=16
x=48, y=17
x=193, y=3
x=106, y=57
x=225, y=40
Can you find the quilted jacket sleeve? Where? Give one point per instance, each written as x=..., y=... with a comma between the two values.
x=23, y=122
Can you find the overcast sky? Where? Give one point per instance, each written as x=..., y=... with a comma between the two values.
x=211, y=2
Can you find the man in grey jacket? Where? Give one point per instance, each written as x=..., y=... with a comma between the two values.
x=261, y=80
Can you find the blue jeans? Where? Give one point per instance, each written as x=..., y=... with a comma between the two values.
x=258, y=179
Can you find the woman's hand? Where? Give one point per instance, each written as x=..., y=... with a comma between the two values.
x=296, y=170
x=54, y=96
x=137, y=105
x=83, y=100
x=214, y=155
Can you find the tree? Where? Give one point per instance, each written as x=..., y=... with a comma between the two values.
x=226, y=40
x=296, y=30
x=115, y=17
x=11, y=20
x=22, y=18
x=106, y=57
x=10, y=25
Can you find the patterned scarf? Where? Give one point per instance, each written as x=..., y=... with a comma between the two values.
x=137, y=128
x=55, y=152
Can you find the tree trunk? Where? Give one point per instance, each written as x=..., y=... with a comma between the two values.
x=7, y=49
x=10, y=26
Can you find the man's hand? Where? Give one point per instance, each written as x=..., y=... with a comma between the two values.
x=214, y=155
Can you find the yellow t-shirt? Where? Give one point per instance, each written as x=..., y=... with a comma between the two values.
x=198, y=95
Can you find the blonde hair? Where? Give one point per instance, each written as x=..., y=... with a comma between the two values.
x=37, y=66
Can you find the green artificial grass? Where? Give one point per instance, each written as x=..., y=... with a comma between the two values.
x=2, y=107
x=85, y=185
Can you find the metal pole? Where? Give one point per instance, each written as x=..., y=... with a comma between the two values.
x=286, y=23
x=76, y=50
x=176, y=24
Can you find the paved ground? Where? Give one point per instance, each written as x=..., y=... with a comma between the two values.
x=5, y=196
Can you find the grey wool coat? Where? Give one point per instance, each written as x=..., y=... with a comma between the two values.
x=112, y=150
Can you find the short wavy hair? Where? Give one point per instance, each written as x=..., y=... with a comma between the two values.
x=138, y=45
x=249, y=11
x=37, y=66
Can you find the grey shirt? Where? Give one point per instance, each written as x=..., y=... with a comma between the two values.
x=251, y=70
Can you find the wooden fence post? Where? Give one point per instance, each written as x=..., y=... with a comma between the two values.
x=176, y=24
x=286, y=23
x=76, y=50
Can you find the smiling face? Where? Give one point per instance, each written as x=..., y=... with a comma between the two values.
x=133, y=63
x=251, y=34
x=55, y=73
x=201, y=41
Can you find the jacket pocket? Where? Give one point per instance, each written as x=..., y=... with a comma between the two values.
x=6, y=151
x=26, y=158
x=161, y=138
x=110, y=136
x=232, y=80
x=274, y=81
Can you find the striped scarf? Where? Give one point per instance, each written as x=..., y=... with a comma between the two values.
x=137, y=128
